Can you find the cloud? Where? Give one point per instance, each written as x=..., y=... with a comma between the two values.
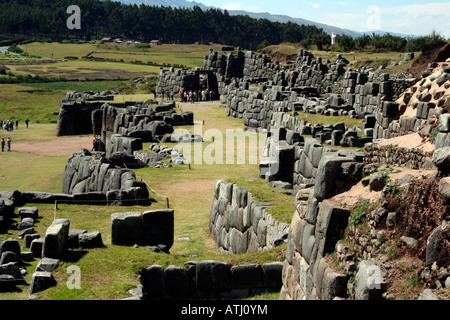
x=419, y=19
x=316, y=6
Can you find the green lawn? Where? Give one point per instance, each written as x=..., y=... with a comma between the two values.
x=39, y=102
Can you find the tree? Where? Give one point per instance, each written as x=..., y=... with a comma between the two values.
x=362, y=42
x=321, y=40
x=345, y=42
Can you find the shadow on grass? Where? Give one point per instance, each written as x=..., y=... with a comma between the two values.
x=72, y=256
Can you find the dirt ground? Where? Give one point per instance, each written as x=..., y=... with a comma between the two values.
x=60, y=146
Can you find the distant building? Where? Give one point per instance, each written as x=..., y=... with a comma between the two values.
x=156, y=42
x=107, y=39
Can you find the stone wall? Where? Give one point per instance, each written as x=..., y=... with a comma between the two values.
x=210, y=280
x=290, y=158
x=151, y=228
x=75, y=117
x=176, y=81
x=397, y=156
x=417, y=108
x=239, y=223
x=94, y=174
x=315, y=229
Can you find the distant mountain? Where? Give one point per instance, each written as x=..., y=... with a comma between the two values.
x=261, y=15
x=264, y=15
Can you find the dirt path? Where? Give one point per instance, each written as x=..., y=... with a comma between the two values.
x=61, y=146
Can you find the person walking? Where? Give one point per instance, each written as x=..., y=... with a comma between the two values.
x=3, y=144
x=8, y=144
x=26, y=122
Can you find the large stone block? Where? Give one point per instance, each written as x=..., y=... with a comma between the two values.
x=246, y=276
x=159, y=227
x=127, y=229
x=327, y=172
x=56, y=238
x=177, y=282
x=40, y=281
x=212, y=277
x=272, y=274
x=330, y=227
x=152, y=280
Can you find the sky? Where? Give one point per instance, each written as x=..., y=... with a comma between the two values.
x=416, y=17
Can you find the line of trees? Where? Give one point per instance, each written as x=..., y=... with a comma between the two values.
x=389, y=42
x=46, y=20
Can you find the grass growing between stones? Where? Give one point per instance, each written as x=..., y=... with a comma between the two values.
x=281, y=205
x=325, y=120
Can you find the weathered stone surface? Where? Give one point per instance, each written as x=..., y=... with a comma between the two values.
x=328, y=170
x=331, y=223
x=272, y=273
x=434, y=245
x=127, y=228
x=12, y=269
x=7, y=257
x=441, y=158
x=152, y=280
x=28, y=212
x=177, y=282
x=48, y=265
x=56, y=239
x=444, y=187
x=40, y=281
x=212, y=277
x=10, y=245
x=72, y=240
x=246, y=276
x=36, y=247
x=159, y=227
x=90, y=240
x=369, y=281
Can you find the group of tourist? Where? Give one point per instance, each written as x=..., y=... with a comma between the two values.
x=7, y=143
x=8, y=125
x=190, y=96
x=197, y=96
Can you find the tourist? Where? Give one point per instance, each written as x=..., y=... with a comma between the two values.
x=17, y=124
x=171, y=95
x=8, y=144
x=26, y=122
x=207, y=94
x=181, y=96
x=3, y=144
x=1, y=124
x=203, y=95
x=211, y=95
